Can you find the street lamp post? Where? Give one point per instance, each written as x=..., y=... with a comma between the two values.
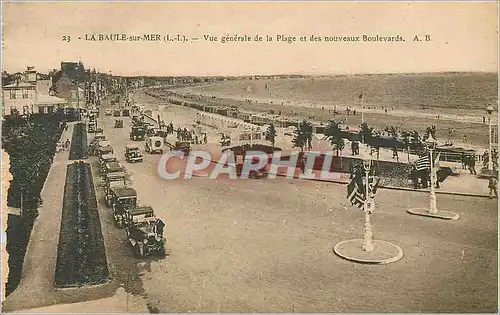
x=431, y=146
x=489, y=110
x=433, y=211
x=367, y=249
x=368, y=207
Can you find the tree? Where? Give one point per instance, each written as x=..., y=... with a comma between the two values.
x=416, y=142
x=333, y=133
x=271, y=134
x=307, y=130
x=298, y=140
x=302, y=135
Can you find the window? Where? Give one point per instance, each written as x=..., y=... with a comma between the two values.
x=12, y=94
x=26, y=110
x=25, y=93
x=50, y=109
x=41, y=109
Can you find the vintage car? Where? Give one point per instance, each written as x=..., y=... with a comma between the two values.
x=133, y=154
x=119, y=198
x=225, y=141
x=108, y=112
x=144, y=236
x=126, y=112
x=118, y=123
x=98, y=138
x=104, y=159
x=104, y=149
x=183, y=146
x=112, y=167
x=154, y=145
x=91, y=127
x=115, y=177
x=126, y=217
x=94, y=111
x=117, y=113
x=138, y=133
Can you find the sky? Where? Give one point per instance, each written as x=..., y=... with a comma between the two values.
x=464, y=37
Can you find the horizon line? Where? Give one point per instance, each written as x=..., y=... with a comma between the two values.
x=279, y=74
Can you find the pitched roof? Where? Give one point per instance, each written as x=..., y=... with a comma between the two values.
x=72, y=70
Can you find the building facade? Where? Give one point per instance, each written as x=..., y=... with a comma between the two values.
x=19, y=98
x=27, y=95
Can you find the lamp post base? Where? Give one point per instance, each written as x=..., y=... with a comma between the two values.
x=382, y=253
x=440, y=214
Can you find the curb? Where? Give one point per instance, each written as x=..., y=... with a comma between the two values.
x=452, y=193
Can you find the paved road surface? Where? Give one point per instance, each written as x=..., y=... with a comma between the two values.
x=266, y=246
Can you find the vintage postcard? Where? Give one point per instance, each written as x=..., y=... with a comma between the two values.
x=249, y=157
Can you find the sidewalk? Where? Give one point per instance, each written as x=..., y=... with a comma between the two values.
x=41, y=252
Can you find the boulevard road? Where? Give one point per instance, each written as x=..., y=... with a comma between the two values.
x=266, y=246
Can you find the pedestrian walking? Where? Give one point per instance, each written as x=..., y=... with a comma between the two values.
x=159, y=225
x=484, y=120
x=463, y=159
x=472, y=164
x=493, y=186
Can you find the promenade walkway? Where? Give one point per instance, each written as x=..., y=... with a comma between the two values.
x=36, y=292
x=36, y=286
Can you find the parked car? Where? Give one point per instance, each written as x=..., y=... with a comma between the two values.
x=121, y=198
x=126, y=112
x=91, y=128
x=112, y=167
x=113, y=178
x=108, y=112
x=133, y=154
x=130, y=215
x=154, y=145
x=117, y=113
x=118, y=123
x=103, y=150
x=104, y=159
x=144, y=237
x=137, y=133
